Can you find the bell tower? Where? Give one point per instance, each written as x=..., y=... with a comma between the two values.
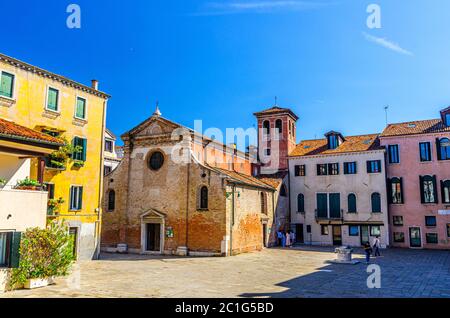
x=277, y=133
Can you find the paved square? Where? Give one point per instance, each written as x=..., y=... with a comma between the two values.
x=299, y=272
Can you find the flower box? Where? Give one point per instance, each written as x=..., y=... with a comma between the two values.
x=38, y=282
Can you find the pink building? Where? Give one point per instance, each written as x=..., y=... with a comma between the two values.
x=418, y=168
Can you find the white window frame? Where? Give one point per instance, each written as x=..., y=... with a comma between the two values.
x=47, y=90
x=13, y=98
x=71, y=208
x=85, y=108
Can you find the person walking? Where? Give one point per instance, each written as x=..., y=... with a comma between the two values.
x=376, y=246
x=368, y=251
x=292, y=238
x=288, y=239
x=280, y=238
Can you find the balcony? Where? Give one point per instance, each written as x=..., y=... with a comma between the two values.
x=329, y=215
x=22, y=209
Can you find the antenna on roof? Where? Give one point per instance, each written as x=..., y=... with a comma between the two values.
x=386, y=108
x=276, y=101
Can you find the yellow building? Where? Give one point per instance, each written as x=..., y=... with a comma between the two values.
x=57, y=106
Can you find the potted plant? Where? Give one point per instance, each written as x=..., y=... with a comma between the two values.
x=28, y=184
x=59, y=158
x=54, y=206
x=78, y=163
x=44, y=255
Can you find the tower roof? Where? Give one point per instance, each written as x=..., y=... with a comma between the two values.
x=276, y=110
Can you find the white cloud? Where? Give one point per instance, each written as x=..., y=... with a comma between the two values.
x=236, y=7
x=387, y=44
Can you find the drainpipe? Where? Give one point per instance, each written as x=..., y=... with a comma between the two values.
x=289, y=197
x=232, y=219
x=100, y=190
x=188, y=168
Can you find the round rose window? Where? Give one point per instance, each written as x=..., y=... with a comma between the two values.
x=156, y=161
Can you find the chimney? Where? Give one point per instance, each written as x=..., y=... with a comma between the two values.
x=95, y=84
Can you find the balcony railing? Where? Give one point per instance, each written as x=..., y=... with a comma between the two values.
x=330, y=215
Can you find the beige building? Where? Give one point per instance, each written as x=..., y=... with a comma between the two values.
x=178, y=192
x=338, y=191
x=111, y=157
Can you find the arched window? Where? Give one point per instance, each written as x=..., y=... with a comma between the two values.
x=428, y=191
x=352, y=203
x=266, y=127
x=263, y=203
x=444, y=149
x=376, y=203
x=111, y=200
x=396, y=191
x=283, y=191
x=204, y=198
x=445, y=185
x=300, y=203
x=279, y=126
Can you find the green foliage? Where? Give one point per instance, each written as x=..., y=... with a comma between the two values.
x=54, y=205
x=28, y=183
x=44, y=253
x=2, y=182
x=60, y=157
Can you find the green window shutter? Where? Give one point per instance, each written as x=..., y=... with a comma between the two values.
x=335, y=205
x=6, y=84
x=402, y=195
x=52, y=100
x=80, y=198
x=436, y=199
x=389, y=190
x=81, y=108
x=322, y=205
x=84, y=145
x=14, y=252
x=74, y=144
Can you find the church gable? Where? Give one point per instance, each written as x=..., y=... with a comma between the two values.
x=154, y=126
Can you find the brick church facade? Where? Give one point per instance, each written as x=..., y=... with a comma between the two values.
x=179, y=192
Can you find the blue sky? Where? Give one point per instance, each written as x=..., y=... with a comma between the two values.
x=220, y=61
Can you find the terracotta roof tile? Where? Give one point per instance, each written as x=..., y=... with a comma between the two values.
x=245, y=179
x=14, y=131
x=351, y=144
x=415, y=128
x=276, y=110
x=274, y=183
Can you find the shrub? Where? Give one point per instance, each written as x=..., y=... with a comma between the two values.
x=44, y=253
x=28, y=183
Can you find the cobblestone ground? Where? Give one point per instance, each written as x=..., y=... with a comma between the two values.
x=299, y=272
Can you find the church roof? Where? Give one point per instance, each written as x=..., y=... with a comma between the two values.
x=275, y=110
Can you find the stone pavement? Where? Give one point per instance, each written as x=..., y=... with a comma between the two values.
x=299, y=272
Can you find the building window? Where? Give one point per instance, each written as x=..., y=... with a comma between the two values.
x=81, y=144
x=4, y=249
x=445, y=188
x=374, y=166
x=352, y=203
x=324, y=229
x=283, y=192
x=53, y=99
x=322, y=169
x=425, y=151
x=350, y=168
x=432, y=238
x=396, y=190
x=266, y=127
x=111, y=200
x=279, y=126
x=375, y=230
x=322, y=205
x=267, y=152
x=353, y=230
x=393, y=154
x=156, y=161
x=204, y=198
x=428, y=189
x=7, y=85
x=333, y=169
x=443, y=148
x=76, y=198
x=300, y=171
x=397, y=220
x=263, y=203
x=300, y=203
x=399, y=237
x=80, y=111
x=333, y=141
x=376, y=203
x=448, y=229
x=430, y=221
x=109, y=146
x=107, y=170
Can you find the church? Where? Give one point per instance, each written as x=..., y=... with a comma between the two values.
x=178, y=192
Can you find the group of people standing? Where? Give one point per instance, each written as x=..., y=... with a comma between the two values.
x=286, y=239
x=375, y=248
